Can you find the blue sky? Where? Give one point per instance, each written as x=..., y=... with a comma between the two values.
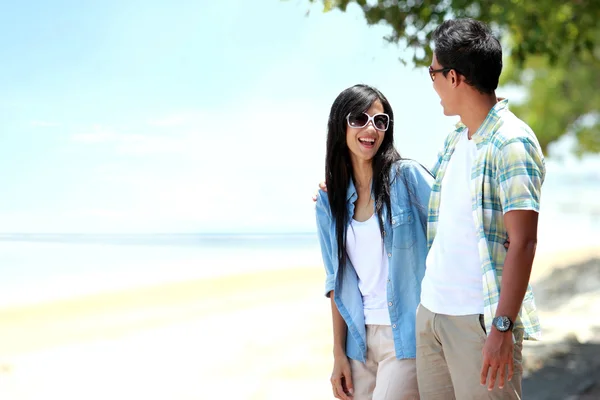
x=185, y=116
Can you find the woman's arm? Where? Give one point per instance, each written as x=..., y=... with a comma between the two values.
x=341, y=377
x=420, y=182
x=329, y=254
x=339, y=330
x=328, y=247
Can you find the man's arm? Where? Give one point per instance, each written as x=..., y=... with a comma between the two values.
x=520, y=174
x=521, y=226
x=498, y=350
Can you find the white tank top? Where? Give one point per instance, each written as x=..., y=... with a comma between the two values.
x=366, y=251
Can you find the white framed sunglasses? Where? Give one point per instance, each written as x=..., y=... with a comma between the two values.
x=380, y=121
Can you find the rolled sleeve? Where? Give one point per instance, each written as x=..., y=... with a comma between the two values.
x=520, y=175
x=329, y=284
x=326, y=241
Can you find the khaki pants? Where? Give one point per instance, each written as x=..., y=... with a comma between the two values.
x=383, y=376
x=449, y=358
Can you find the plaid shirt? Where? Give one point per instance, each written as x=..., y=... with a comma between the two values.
x=507, y=175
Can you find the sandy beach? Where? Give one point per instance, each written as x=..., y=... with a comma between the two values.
x=261, y=335
x=565, y=364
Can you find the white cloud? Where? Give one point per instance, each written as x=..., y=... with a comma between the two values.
x=137, y=143
x=94, y=212
x=98, y=134
x=182, y=118
x=45, y=124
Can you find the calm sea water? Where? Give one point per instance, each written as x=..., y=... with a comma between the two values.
x=36, y=267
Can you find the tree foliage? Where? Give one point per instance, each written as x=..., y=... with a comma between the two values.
x=552, y=52
x=562, y=98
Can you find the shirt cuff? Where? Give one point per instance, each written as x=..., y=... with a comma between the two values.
x=329, y=284
x=523, y=206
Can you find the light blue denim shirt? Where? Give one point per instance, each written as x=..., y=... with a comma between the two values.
x=405, y=243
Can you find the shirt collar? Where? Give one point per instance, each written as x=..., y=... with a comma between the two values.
x=351, y=192
x=489, y=122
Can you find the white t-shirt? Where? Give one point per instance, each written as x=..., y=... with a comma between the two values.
x=453, y=279
x=365, y=250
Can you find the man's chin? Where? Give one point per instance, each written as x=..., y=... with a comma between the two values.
x=449, y=113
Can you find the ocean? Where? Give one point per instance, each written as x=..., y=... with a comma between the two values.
x=39, y=267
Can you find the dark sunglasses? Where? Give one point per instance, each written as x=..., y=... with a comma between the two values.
x=381, y=121
x=432, y=72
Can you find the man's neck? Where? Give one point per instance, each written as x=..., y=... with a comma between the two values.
x=476, y=110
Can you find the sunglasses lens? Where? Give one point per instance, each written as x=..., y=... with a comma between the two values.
x=381, y=122
x=431, y=73
x=358, y=120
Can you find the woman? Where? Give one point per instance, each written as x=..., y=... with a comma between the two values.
x=372, y=231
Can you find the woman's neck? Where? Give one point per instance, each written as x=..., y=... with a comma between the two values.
x=362, y=175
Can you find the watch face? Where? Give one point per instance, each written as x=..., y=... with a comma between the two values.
x=502, y=323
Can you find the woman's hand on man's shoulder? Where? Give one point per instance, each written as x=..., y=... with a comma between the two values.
x=323, y=187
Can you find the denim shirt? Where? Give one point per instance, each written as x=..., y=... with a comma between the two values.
x=405, y=242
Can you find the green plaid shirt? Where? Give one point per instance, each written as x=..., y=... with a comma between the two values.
x=507, y=175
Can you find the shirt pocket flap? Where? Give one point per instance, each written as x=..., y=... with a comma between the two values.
x=401, y=218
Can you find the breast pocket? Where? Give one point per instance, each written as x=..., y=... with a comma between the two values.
x=403, y=230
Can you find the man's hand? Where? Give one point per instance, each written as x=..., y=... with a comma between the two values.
x=497, y=358
x=323, y=187
x=341, y=378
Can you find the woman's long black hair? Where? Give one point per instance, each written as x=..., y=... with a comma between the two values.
x=338, y=166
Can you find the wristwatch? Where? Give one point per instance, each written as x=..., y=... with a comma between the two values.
x=503, y=323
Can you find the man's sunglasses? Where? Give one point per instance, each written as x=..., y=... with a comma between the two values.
x=432, y=71
x=381, y=122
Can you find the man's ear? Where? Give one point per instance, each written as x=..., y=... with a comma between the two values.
x=454, y=77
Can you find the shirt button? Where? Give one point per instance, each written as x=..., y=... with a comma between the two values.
x=383, y=233
x=394, y=326
x=393, y=221
x=389, y=254
x=390, y=304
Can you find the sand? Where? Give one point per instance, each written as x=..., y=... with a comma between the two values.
x=261, y=335
x=566, y=363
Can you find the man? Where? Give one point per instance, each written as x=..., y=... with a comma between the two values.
x=476, y=303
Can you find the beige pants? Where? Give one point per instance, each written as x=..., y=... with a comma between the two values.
x=383, y=376
x=449, y=358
